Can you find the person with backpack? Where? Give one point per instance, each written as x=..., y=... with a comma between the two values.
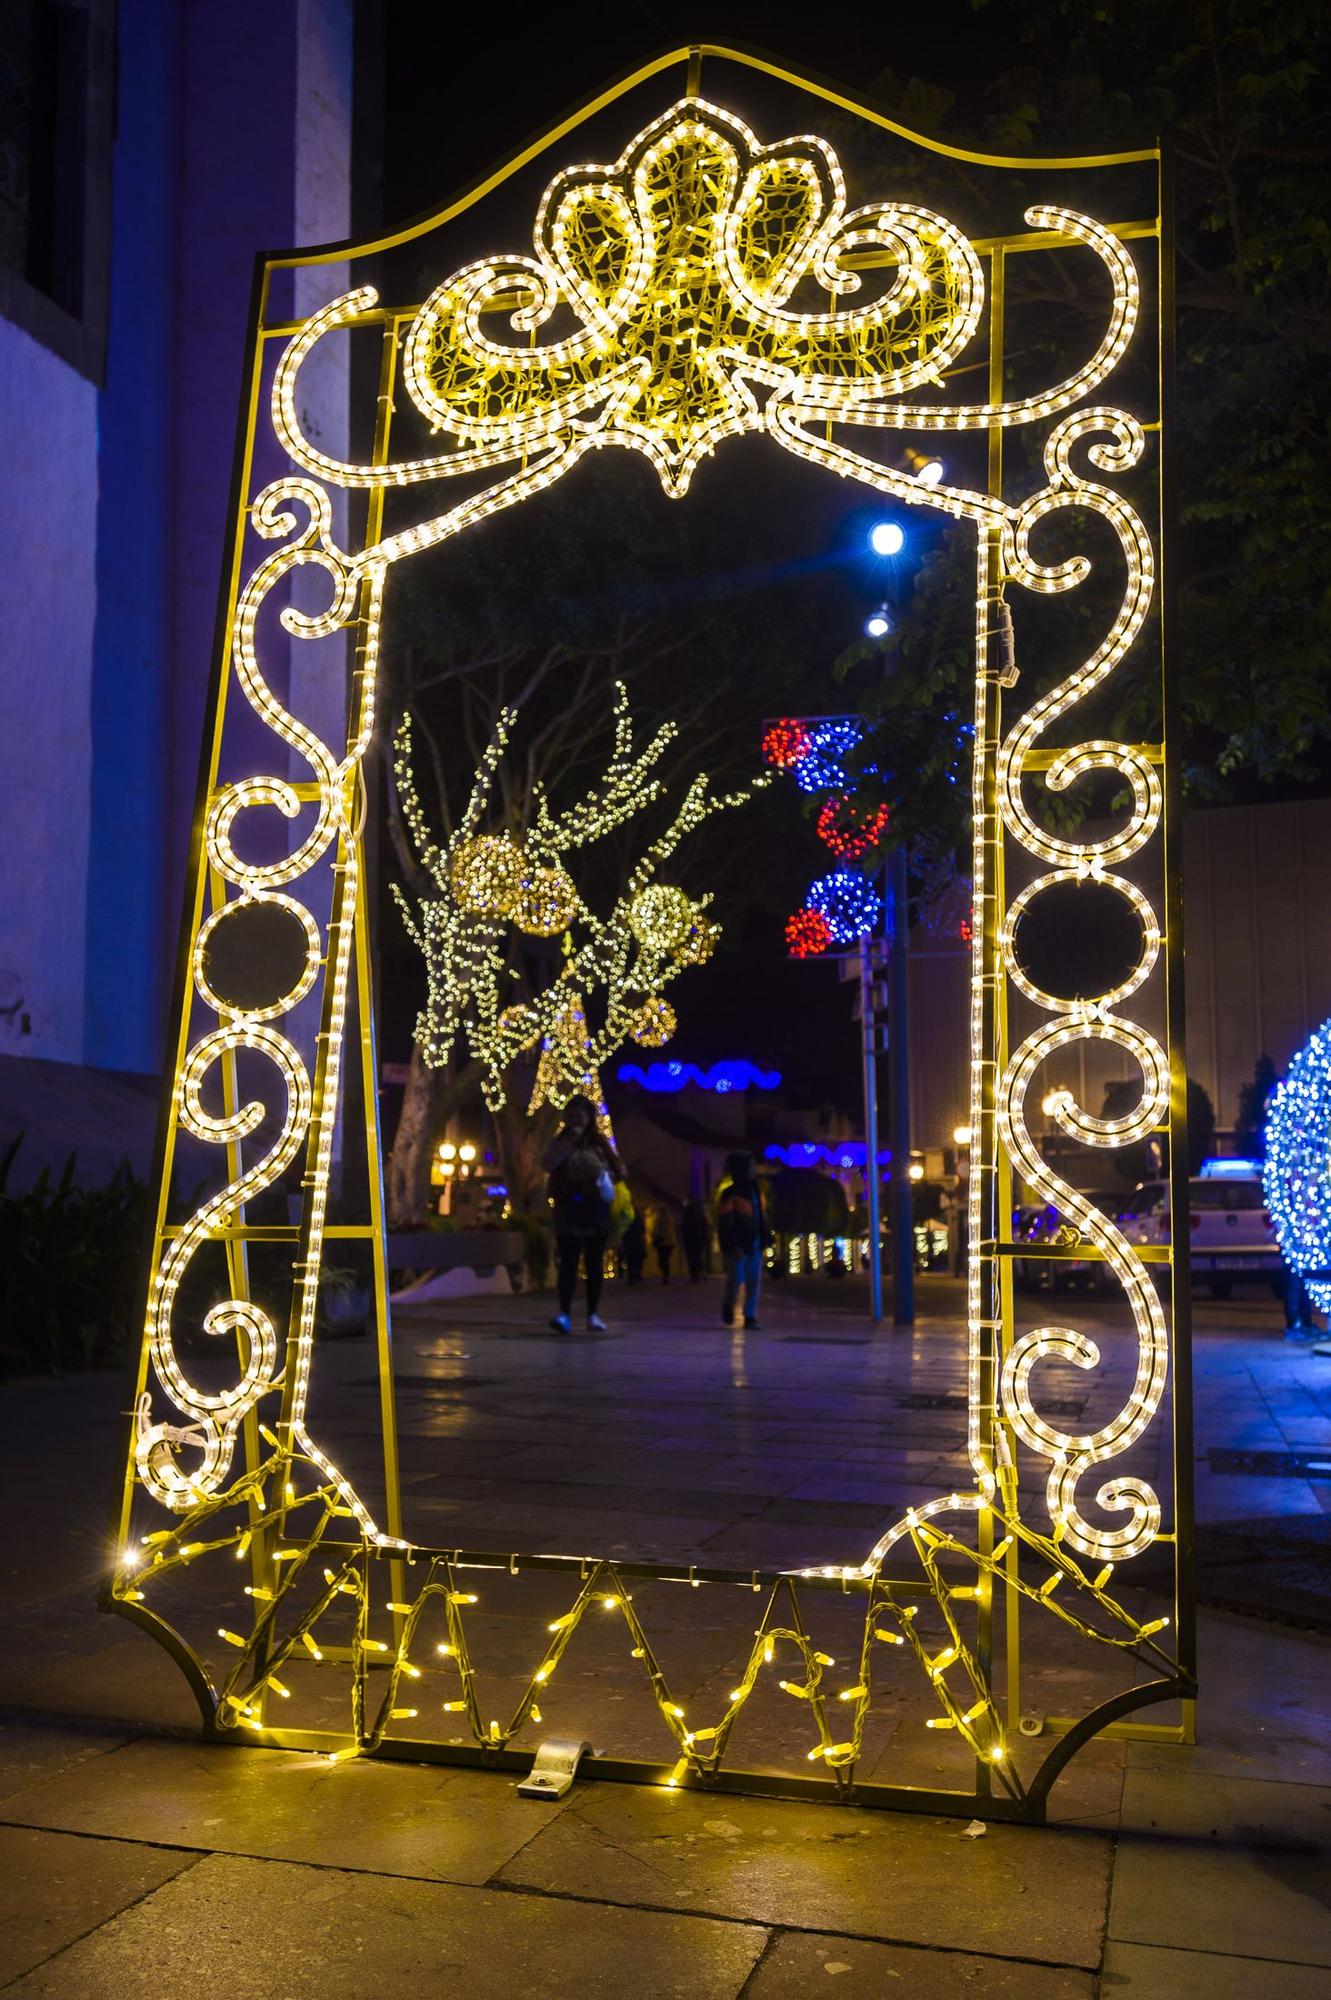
x=741, y=1229
x=634, y=1249
x=583, y=1168
x=695, y=1233
x=663, y=1238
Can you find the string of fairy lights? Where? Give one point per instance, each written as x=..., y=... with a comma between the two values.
x=321, y=1597
x=490, y=889
x=676, y=267
x=842, y=906
x=1296, y=1180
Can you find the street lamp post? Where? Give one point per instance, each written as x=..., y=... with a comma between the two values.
x=887, y=539
x=869, y=1029
x=903, y=1226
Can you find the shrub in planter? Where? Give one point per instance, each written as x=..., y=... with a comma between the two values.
x=69, y=1269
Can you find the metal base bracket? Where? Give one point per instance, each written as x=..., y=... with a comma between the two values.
x=554, y=1768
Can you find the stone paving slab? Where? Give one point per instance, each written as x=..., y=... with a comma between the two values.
x=1030, y=1892
x=1265, y=1709
x=252, y=1930
x=34, y=1749
x=1237, y=1866
x=849, y=1969
x=55, y=1888
x=1148, y=1972
x=435, y=1822
x=96, y=1668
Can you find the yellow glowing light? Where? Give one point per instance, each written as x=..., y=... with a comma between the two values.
x=486, y=873
x=547, y=903
x=661, y=918
x=654, y=1023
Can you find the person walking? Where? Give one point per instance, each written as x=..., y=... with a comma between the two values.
x=742, y=1233
x=663, y=1239
x=634, y=1248
x=583, y=1168
x=696, y=1236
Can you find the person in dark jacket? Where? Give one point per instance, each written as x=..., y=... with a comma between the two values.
x=583, y=1167
x=696, y=1235
x=633, y=1248
x=741, y=1228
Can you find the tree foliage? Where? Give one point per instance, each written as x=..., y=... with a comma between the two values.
x=1254, y=1097
x=1238, y=89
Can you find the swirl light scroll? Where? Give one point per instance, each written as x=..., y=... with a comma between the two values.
x=1071, y=1454
x=215, y=1415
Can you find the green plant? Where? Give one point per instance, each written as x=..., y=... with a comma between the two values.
x=344, y=1299
x=69, y=1269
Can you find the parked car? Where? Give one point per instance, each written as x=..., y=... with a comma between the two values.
x=1047, y=1225
x=1028, y=1274
x=1231, y=1235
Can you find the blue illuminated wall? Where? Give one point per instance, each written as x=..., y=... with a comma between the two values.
x=232, y=135
x=131, y=700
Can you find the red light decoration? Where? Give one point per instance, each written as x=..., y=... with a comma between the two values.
x=807, y=933
x=785, y=742
x=851, y=829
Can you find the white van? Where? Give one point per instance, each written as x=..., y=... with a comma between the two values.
x=1231, y=1235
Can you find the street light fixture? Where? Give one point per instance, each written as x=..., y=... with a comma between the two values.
x=886, y=538
x=961, y=1135
x=927, y=471
x=878, y=623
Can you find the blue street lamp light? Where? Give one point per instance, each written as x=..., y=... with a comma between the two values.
x=878, y=623
x=886, y=539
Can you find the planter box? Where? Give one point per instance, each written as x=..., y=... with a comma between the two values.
x=445, y=1250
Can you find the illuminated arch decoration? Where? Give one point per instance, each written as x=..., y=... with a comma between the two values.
x=700, y=286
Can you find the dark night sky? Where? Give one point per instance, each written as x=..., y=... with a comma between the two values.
x=453, y=116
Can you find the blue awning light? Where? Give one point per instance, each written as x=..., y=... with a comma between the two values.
x=850, y=1153
x=721, y=1077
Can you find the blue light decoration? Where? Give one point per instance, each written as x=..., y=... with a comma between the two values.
x=802, y=1153
x=849, y=904
x=722, y=1077
x=823, y=768
x=1297, y=1177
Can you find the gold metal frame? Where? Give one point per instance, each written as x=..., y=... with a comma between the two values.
x=331, y=1586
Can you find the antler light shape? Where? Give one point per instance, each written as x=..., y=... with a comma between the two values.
x=494, y=888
